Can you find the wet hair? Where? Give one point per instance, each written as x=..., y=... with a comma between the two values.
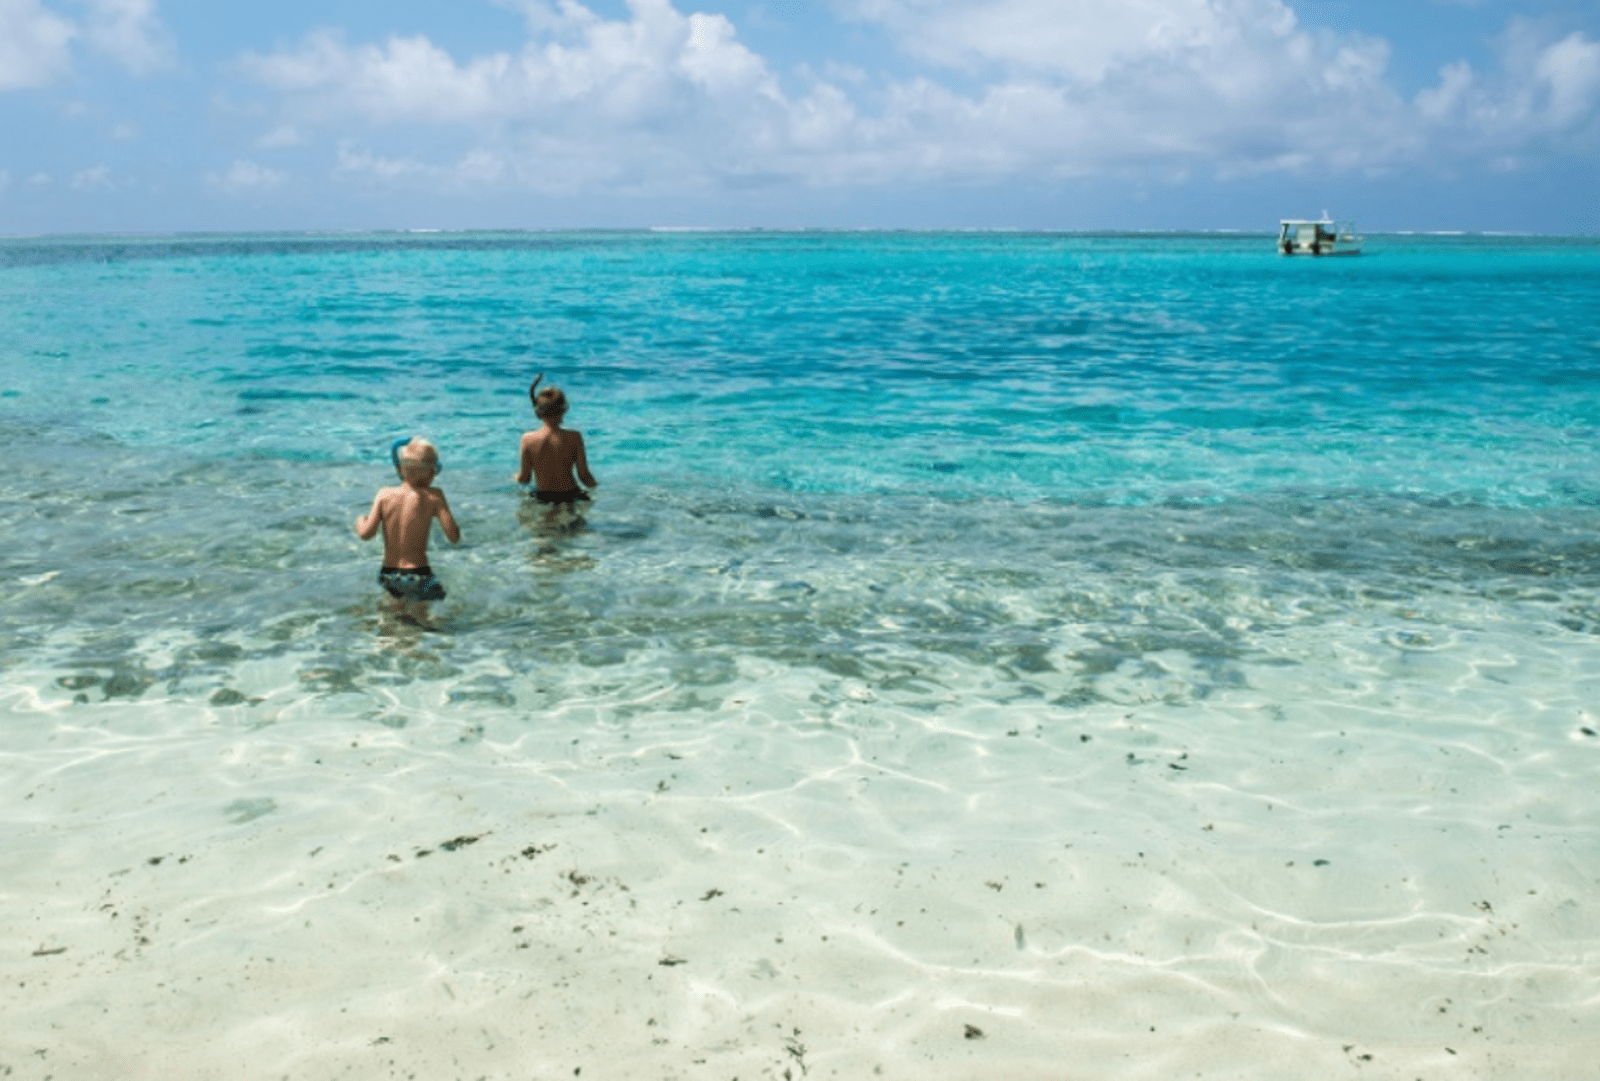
x=549, y=403
x=418, y=456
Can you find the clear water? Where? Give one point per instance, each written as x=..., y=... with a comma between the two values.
x=971, y=629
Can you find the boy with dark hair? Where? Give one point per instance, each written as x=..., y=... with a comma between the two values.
x=551, y=455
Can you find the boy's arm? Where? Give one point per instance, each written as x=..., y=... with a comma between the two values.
x=580, y=461
x=367, y=524
x=447, y=521
x=525, y=474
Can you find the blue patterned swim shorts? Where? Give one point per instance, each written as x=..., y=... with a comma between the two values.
x=411, y=583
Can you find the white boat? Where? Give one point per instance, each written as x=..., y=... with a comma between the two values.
x=1324, y=236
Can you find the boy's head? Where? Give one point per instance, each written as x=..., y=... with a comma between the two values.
x=419, y=460
x=550, y=404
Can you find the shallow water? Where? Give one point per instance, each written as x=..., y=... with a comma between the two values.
x=1146, y=652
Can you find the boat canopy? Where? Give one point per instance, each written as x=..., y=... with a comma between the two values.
x=1317, y=236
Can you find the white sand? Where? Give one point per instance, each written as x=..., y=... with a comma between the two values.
x=812, y=878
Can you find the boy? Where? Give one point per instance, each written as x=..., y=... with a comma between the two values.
x=552, y=454
x=406, y=512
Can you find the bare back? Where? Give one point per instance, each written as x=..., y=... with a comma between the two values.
x=550, y=457
x=406, y=513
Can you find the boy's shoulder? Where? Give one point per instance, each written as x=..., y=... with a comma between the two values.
x=402, y=490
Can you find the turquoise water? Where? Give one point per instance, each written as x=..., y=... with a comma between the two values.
x=988, y=553
x=1115, y=369
x=197, y=419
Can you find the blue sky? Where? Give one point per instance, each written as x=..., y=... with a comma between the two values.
x=178, y=115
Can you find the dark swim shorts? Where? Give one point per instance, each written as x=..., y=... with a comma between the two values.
x=411, y=583
x=571, y=495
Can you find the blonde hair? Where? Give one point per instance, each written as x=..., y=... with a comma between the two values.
x=418, y=456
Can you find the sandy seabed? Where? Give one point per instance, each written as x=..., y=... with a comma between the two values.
x=806, y=877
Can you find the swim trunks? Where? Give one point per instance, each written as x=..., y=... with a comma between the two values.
x=571, y=495
x=411, y=583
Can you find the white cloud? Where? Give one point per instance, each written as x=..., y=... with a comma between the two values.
x=1074, y=87
x=34, y=45
x=482, y=167
x=542, y=17
x=1546, y=91
x=281, y=136
x=655, y=64
x=664, y=100
x=544, y=165
x=659, y=97
x=1237, y=85
x=128, y=32
x=1440, y=102
x=1571, y=70
x=406, y=79
x=1080, y=40
x=364, y=163
x=245, y=176
x=94, y=178
x=36, y=42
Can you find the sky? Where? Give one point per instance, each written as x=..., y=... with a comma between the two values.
x=154, y=116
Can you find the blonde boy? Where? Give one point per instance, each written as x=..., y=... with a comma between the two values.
x=405, y=513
